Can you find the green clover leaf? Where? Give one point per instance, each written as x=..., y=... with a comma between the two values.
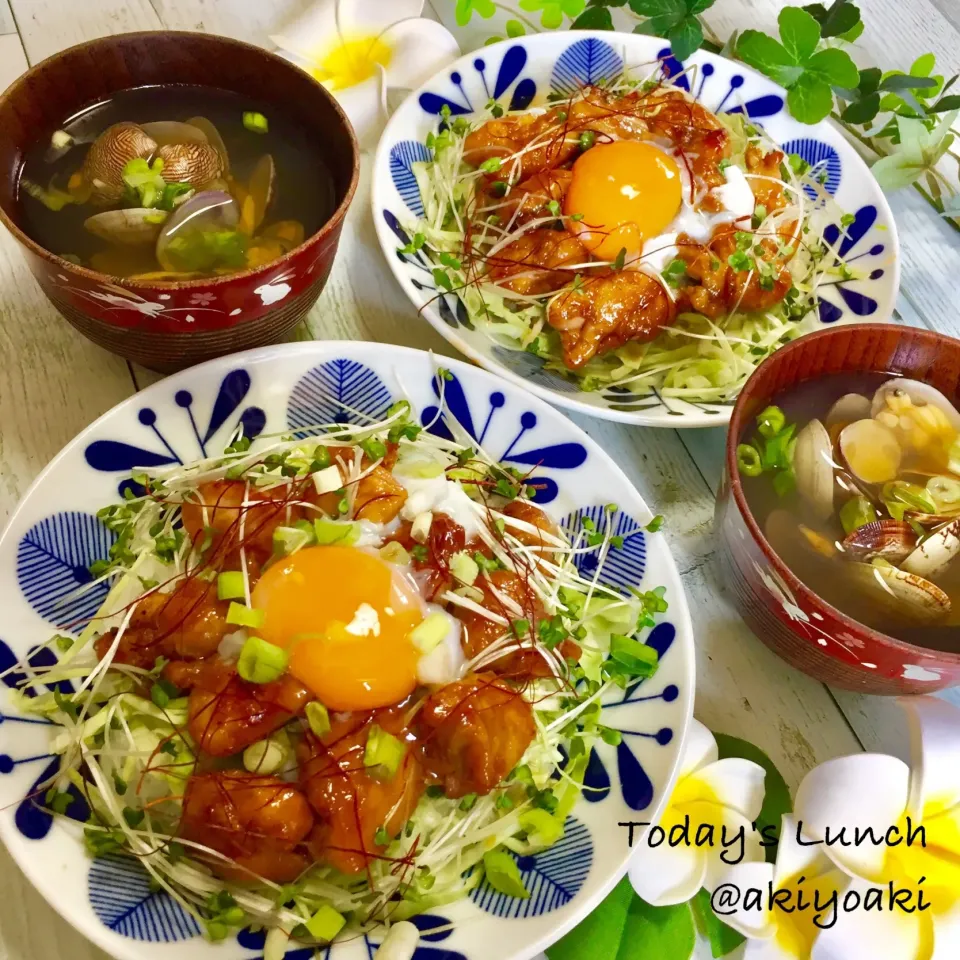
x=552, y=11
x=808, y=74
x=465, y=10
x=799, y=33
x=675, y=20
x=835, y=66
x=840, y=20
x=593, y=18
x=685, y=37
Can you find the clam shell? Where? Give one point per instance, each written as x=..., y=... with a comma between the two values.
x=920, y=393
x=129, y=227
x=813, y=467
x=173, y=131
x=893, y=540
x=870, y=436
x=209, y=208
x=931, y=556
x=899, y=594
x=850, y=407
x=213, y=138
x=194, y=163
x=109, y=154
x=258, y=195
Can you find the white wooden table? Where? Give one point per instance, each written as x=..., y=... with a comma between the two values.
x=53, y=383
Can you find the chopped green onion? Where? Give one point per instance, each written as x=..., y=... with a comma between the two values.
x=468, y=802
x=771, y=421
x=255, y=122
x=261, y=662
x=857, y=512
x=430, y=632
x=587, y=139
x=381, y=838
x=639, y=658
x=266, y=756
x=286, y=540
x=784, y=482
x=503, y=874
x=318, y=717
x=464, y=568
x=748, y=460
x=911, y=494
x=244, y=616
x=326, y=923
x=231, y=585
x=329, y=532
x=543, y=828
x=394, y=552
x=383, y=754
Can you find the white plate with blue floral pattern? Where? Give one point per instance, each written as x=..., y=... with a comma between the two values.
x=524, y=72
x=55, y=535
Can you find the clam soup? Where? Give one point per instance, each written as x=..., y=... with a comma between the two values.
x=855, y=482
x=172, y=183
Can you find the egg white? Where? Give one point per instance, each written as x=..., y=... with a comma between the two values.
x=735, y=196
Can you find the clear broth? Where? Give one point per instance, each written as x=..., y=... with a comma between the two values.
x=824, y=576
x=304, y=190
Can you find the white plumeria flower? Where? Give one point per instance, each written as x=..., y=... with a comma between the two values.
x=361, y=49
x=880, y=793
x=717, y=800
x=742, y=900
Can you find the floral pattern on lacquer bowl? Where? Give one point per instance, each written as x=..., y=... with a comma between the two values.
x=782, y=611
x=168, y=326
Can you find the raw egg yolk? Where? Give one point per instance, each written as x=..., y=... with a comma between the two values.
x=345, y=619
x=627, y=192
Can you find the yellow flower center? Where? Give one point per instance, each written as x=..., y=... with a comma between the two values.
x=695, y=799
x=796, y=930
x=933, y=853
x=352, y=61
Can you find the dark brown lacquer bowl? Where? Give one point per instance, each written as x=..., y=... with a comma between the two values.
x=168, y=326
x=789, y=618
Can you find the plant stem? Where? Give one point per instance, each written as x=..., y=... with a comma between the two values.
x=517, y=15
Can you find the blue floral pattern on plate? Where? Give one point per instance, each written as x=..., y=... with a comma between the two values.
x=53, y=561
x=559, y=64
x=340, y=383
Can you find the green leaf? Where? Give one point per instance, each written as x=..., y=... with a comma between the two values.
x=923, y=65
x=674, y=10
x=465, y=10
x=698, y=6
x=765, y=54
x=903, y=81
x=799, y=33
x=853, y=33
x=776, y=800
x=514, y=28
x=598, y=935
x=810, y=98
x=723, y=939
x=685, y=37
x=950, y=102
x=835, y=66
x=862, y=110
x=594, y=18
x=869, y=81
x=839, y=19
x=656, y=933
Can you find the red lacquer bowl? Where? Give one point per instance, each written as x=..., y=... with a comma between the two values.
x=168, y=326
x=792, y=620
